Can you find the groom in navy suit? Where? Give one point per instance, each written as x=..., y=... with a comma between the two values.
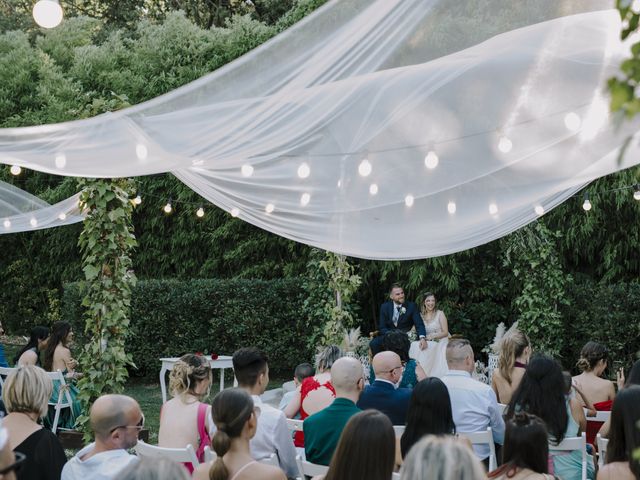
x=396, y=314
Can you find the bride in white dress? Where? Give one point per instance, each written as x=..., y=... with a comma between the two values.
x=432, y=359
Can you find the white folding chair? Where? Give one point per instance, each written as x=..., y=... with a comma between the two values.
x=601, y=416
x=395, y=476
x=602, y=450
x=503, y=408
x=4, y=373
x=209, y=455
x=181, y=455
x=574, y=443
x=310, y=469
x=484, y=438
x=294, y=425
x=64, y=397
x=399, y=429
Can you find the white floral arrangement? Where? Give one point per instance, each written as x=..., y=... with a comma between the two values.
x=403, y=311
x=480, y=372
x=494, y=347
x=412, y=335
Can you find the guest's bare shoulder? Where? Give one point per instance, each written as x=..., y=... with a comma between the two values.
x=268, y=472
x=202, y=471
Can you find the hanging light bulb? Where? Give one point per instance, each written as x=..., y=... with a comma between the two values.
x=539, y=209
x=408, y=200
x=505, y=144
x=235, y=212
x=47, y=13
x=141, y=151
x=365, y=168
x=586, y=204
x=200, y=212
x=636, y=194
x=33, y=222
x=304, y=170
x=168, y=208
x=269, y=208
x=61, y=160
x=373, y=189
x=305, y=198
x=62, y=216
x=246, y=170
x=15, y=170
x=493, y=209
x=137, y=200
x=431, y=160
x=7, y=223
x=451, y=207
x=572, y=121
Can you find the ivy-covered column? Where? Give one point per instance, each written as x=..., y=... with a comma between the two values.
x=106, y=243
x=532, y=255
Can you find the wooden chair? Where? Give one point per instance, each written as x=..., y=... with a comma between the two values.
x=64, y=397
x=602, y=450
x=181, y=455
x=574, y=443
x=484, y=438
x=310, y=469
x=294, y=425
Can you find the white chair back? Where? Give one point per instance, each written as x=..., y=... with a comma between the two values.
x=182, y=455
x=209, y=455
x=395, y=476
x=503, y=408
x=310, y=469
x=64, y=397
x=574, y=443
x=484, y=438
x=271, y=460
x=399, y=429
x=601, y=416
x=294, y=425
x=602, y=450
x=4, y=373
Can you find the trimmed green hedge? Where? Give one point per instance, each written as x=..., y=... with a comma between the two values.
x=170, y=318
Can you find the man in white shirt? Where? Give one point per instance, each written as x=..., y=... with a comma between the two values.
x=115, y=421
x=473, y=403
x=272, y=436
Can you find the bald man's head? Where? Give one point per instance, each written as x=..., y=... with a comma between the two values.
x=112, y=411
x=346, y=373
x=460, y=355
x=388, y=366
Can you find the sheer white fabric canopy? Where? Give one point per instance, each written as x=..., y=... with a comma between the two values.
x=388, y=129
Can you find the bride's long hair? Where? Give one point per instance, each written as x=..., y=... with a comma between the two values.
x=423, y=309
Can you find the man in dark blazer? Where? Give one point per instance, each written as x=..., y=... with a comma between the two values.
x=397, y=314
x=383, y=394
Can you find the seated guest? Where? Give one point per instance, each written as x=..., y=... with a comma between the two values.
x=526, y=450
x=515, y=350
x=322, y=430
x=183, y=419
x=398, y=314
x=398, y=342
x=599, y=391
x=30, y=353
x=57, y=356
x=633, y=379
x=473, y=403
x=9, y=461
x=236, y=422
x=542, y=393
x=365, y=450
x=315, y=393
x=272, y=434
x=116, y=421
x=26, y=394
x=624, y=437
x=383, y=394
x=441, y=457
x=302, y=371
x=429, y=413
x=148, y=468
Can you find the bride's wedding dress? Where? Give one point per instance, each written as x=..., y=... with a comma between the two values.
x=432, y=359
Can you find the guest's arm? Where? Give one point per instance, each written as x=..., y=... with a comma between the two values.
x=496, y=421
x=293, y=408
x=286, y=450
x=604, y=429
x=420, y=373
x=382, y=322
x=419, y=324
x=578, y=414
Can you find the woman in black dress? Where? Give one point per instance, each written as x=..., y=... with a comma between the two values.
x=26, y=393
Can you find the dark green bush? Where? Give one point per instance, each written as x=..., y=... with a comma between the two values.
x=171, y=317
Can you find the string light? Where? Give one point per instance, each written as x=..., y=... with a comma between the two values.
x=504, y=144
x=408, y=200
x=200, y=212
x=246, y=170
x=431, y=160
x=304, y=199
x=373, y=189
x=7, y=223
x=168, y=208
x=304, y=170
x=493, y=209
x=539, y=209
x=47, y=13
x=586, y=204
x=137, y=200
x=33, y=222
x=636, y=194
x=62, y=216
x=572, y=121
x=61, y=160
x=141, y=151
x=451, y=207
x=15, y=170
x=365, y=168
x=235, y=212
x=269, y=208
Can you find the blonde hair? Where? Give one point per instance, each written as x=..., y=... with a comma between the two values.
x=441, y=457
x=27, y=390
x=511, y=347
x=187, y=373
x=326, y=358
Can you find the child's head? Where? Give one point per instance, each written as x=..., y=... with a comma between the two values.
x=303, y=371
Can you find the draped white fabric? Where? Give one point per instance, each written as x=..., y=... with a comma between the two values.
x=20, y=211
x=388, y=129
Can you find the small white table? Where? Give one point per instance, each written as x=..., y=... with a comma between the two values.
x=221, y=363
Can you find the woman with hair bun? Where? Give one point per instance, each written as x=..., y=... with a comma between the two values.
x=236, y=423
x=183, y=419
x=515, y=350
x=599, y=391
